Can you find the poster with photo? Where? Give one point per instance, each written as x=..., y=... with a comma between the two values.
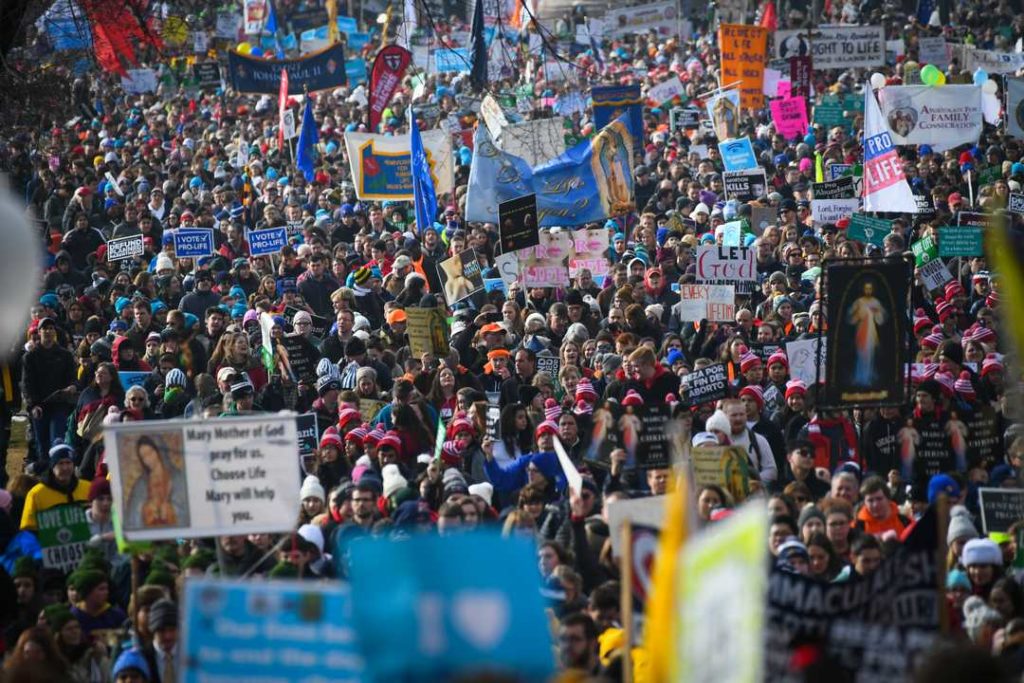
x=461, y=276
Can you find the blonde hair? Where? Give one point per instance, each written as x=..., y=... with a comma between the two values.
x=136, y=390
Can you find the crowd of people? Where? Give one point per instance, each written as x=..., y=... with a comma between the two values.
x=150, y=164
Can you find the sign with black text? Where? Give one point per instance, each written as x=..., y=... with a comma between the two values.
x=745, y=186
x=517, y=223
x=125, y=248
x=1000, y=508
x=709, y=384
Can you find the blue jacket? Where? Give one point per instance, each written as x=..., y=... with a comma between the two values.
x=513, y=476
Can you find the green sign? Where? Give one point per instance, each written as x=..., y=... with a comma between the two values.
x=924, y=251
x=867, y=229
x=829, y=112
x=961, y=240
x=63, y=533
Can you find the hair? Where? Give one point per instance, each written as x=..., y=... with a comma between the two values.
x=584, y=620
x=830, y=505
x=643, y=356
x=787, y=520
x=819, y=539
x=144, y=597
x=605, y=596
x=563, y=553
x=795, y=488
x=512, y=437
x=864, y=542
x=55, y=664
x=116, y=388
x=222, y=352
x=514, y=520
x=132, y=391
x=147, y=441
x=874, y=484
x=790, y=504
x=1013, y=591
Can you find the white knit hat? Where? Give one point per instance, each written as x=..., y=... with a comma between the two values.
x=393, y=480
x=483, y=489
x=312, y=488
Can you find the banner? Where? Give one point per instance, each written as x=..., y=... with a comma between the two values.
x=957, y=240
x=460, y=276
x=718, y=264
x=189, y=479
x=743, y=49
x=63, y=533
x=139, y=81
x=517, y=226
x=705, y=385
x=193, y=242
x=661, y=17
x=451, y=60
x=1000, y=508
x=428, y=331
x=874, y=628
x=536, y=142
x=715, y=303
x=944, y=117
x=666, y=91
x=323, y=70
x=990, y=61
x=745, y=186
x=547, y=264
x=267, y=241
x=590, y=251
x=125, y=248
x=725, y=466
x=385, y=77
x=611, y=101
x=460, y=603
x=840, y=188
x=867, y=312
x=790, y=117
x=834, y=47
x=724, y=111
x=737, y=155
x=933, y=50
x=382, y=164
x=885, y=184
x=241, y=630
x=1015, y=107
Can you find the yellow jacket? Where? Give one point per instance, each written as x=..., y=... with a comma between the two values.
x=41, y=497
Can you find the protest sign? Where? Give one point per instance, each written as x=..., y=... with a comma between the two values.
x=1000, y=508
x=684, y=118
x=549, y=363
x=790, y=117
x=745, y=186
x=240, y=630
x=517, y=223
x=726, y=265
x=840, y=188
x=836, y=171
x=382, y=164
x=508, y=268
x=302, y=355
x=227, y=26
x=648, y=511
x=306, y=433
x=254, y=13
x=547, y=264
x=450, y=60
x=867, y=307
x=743, y=49
x=943, y=118
x=957, y=240
x=189, y=479
x=139, y=81
x=63, y=533
x=193, y=242
x=468, y=602
x=721, y=580
x=737, y=155
x=590, y=251
x=834, y=47
x=800, y=72
x=871, y=628
x=461, y=276
x=803, y=362
x=761, y=217
x=125, y=248
x=666, y=91
x=869, y=230
x=716, y=303
x=830, y=211
x=428, y=331
x=1015, y=107
x=731, y=233
x=132, y=378
x=661, y=17
x=705, y=385
x=725, y=466
x=313, y=72
x=724, y=113
x=267, y=241
x=933, y=50
x=974, y=218
x=990, y=61
x=207, y=75
x=1016, y=202
x=931, y=271
x=321, y=325
x=368, y=408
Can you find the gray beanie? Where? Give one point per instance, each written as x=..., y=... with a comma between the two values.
x=808, y=513
x=960, y=526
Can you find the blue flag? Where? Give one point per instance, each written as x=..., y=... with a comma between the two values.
x=308, y=137
x=924, y=11
x=478, y=49
x=271, y=27
x=424, y=196
x=494, y=177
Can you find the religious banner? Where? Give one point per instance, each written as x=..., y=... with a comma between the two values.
x=382, y=164
x=428, y=331
x=385, y=77
x=834, y=47
x=724, y=112
x=867, y=312
x=944, y=118
x=610, y=101
x=323, y=70
x=725, y=466
x=743, y=50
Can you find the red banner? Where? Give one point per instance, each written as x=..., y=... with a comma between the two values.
x=388, y=69
x=800, y=69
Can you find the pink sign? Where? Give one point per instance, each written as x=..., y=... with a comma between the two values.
x=790, y=117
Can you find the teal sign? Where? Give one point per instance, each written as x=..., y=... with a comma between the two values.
x=961, y=240
x=867, y=229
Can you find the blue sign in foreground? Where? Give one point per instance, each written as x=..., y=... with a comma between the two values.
x=267, y=241
x=193, y=242
x=439, y=608
x=289, y=630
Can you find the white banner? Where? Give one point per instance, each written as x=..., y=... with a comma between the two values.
x=196, y=478
x=382, y=164
x=139, y=81
x=834, y=47
x=665, y=91
x=991, y=61
x=831, y=210
x=662, y=17
x=943, y=117
x=1015, y=107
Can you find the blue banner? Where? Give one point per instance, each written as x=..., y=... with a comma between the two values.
x=737, y=155
x=451, y=59
x=131, y=379
x=66, y=34
x=193, y=242
x=347, y=25
x=299, y=630
x=355, y=71
x=458, y=604
x=610, y=101
x=322, y=70
x=267, y=241
x=357, y=41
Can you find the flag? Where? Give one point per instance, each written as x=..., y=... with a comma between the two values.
x=924, y=11
x=478, y=49
x=662, y=617
x=388, y=69
x=308, y=138
x=494, y=177
x=409, y=24
x=885, y=185
x=424, y=197
x=282, y=101
x=333, y=34
x=267, y=342
x=271, y=27
x=770, y=19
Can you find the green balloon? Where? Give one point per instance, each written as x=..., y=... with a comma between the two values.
x=930, y=74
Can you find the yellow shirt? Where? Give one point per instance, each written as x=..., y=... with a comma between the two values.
x=41, y=497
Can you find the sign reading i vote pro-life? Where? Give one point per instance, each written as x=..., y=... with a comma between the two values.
x=193, y=242
x=267, y=241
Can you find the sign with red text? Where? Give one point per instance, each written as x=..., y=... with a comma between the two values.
x=743, y=51
x=790, y=117
x=715, y=303
x=722, y=265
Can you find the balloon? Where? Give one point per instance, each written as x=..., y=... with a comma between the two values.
x=989, y=87
x=980, y=76
x=930, y=74
x=243, y=48
x=255, y=52
x=940, y=79
x=877, y=80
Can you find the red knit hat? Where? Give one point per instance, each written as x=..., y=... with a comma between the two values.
x=546, y=427
x=632, y=399
x=755, y=392
x=450, y=453
x=346, y=415
x=778, y=357
x=748, y=361
x=330, y=438
x=390, y=440
x=795, y=386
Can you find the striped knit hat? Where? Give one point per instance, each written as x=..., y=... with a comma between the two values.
x=374, y=436
x=964, y=387
x=795, y=386
x=748, y=360
x=552, y=411
x=991, y=364
x=632, y=399
x=358, y=434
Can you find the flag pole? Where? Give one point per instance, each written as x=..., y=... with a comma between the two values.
x=626, y=599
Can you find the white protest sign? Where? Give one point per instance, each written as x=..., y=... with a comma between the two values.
x=715, y=303
x=802, y=363
x=288, y=123
x=668, y=90
x=831, y=210
x=572, y=475
x=726, y=265
x=508, y=268
x=139, y=81
x=196, y=478
x=834, y=47
x=933, y=50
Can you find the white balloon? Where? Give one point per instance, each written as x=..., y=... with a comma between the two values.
x=990, y=87
x=877, y=80
x=21, y=275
